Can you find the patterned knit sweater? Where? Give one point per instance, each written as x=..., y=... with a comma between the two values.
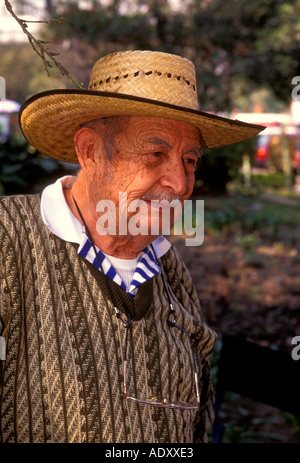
x=62, y=377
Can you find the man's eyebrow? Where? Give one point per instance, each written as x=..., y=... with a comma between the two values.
x=197, y=151
x=159, y=141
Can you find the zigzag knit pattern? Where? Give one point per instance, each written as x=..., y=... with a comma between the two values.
x=62, y=377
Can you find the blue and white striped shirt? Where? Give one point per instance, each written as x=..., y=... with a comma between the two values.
x=146, y=267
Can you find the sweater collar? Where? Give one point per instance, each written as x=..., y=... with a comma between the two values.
x=137, y=306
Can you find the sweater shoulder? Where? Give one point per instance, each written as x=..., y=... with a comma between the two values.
x=12, y=206
x=18, y=213
x=19, y=200
x=176, y=268
x=179, y=277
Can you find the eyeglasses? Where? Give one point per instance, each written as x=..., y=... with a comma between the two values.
x=152, y=400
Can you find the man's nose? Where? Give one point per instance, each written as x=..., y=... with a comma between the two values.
x=175, y=178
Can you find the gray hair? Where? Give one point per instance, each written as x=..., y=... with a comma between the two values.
x=108, y=128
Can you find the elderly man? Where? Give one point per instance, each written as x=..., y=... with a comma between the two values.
x=105, y=341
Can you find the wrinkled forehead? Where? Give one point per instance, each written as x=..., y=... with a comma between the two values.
x=145, y=125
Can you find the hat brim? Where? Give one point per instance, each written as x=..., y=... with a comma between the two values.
x=49, y=120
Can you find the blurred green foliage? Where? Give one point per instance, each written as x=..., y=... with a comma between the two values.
x=238, y=50
x=12, y=160
x=251, y=219
x=221, y=165
x=271, y=179
x=24, y=170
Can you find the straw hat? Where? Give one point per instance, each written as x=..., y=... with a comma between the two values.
x=132, y=83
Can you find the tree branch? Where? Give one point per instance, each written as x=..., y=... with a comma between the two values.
x=41, y=47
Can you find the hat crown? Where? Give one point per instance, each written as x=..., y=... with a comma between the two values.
x=145, y=74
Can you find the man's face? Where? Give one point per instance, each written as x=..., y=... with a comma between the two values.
x=152, y=159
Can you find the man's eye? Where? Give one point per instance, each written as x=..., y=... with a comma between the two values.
x=154, y=156
x=191, y=161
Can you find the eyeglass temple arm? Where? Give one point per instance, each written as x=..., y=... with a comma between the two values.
x=125, y=359
x=125, y=377
x=192, y=349
x=197, y=387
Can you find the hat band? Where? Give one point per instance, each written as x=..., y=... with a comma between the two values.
x=165, y=87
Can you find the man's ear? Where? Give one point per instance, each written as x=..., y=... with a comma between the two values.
x=85, y=145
